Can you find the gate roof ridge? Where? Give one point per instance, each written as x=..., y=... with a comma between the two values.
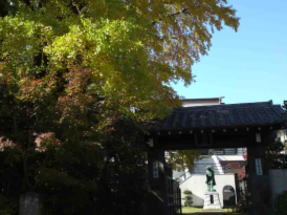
x=256, y=114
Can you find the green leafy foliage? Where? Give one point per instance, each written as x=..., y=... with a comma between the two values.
x=181, y=159
x=8, y=205
x=11, y=173
x=70, y=70
x=131, y=50
x=187, y=198
x=74, y=67
x=68, y=177
x=124, y=187
x=77, y=178
x=275, y=155
x=280, y=206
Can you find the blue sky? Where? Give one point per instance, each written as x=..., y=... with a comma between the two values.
x=249, y=65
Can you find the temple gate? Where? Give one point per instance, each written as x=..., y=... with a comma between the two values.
x=250, y=125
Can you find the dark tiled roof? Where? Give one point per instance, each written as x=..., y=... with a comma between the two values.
x=222, y=116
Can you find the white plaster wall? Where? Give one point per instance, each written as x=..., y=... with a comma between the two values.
x=278, y=179
x=196, y=183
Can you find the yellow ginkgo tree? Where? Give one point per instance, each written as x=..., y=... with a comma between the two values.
x=70, y=69
x=129, y=51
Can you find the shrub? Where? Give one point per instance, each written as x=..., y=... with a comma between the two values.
x=280, y=206
x=78, y=177
x=187, y=198
x=8, y=205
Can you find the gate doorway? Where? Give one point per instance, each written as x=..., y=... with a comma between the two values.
x=228, y=165
x=250, y=125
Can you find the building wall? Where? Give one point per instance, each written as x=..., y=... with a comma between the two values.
x=201, y=102
x=201, y=164
x=196, y=183
x=278, y=179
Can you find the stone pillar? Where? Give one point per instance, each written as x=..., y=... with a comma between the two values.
x=30, y=204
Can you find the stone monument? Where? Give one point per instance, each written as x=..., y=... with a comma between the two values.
x=211, y=197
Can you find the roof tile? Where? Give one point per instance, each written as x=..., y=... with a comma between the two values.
x=221, y=116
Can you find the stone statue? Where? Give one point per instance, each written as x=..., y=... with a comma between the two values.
x=210, y=180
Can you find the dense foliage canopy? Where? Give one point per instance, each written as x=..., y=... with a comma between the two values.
x=72, y=55
x=276, y=155
x=71, y=70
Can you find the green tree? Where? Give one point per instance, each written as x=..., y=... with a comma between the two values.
x=74, y=68
x=276, y=153
x=73, y=54
x=280, y=204
x=276, y=156
x=181, y=159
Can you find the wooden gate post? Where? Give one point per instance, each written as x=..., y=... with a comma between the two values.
x=157, y=200
x=258, y=184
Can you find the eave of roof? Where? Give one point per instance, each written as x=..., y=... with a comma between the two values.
x=222, y=116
